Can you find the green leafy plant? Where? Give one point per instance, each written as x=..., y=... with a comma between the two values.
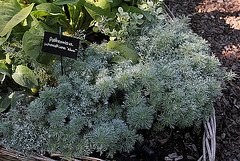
x=100, y=106
x=126, y=51
x=12, y=15
x=129, y=19
x=161, y=75
x=29, y=21
x=120, y=27
x=25, y=77
x=19, y=72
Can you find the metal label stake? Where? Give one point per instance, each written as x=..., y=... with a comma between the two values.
x=60, y=33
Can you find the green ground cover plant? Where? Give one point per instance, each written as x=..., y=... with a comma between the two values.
x=160, y=75
x=23, y=23
x=19, y=72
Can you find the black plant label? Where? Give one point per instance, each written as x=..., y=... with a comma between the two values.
x=60, y=45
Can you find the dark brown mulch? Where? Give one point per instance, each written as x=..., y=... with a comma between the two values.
x=218, y=21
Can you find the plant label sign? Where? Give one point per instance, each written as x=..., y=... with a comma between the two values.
x=60, y=45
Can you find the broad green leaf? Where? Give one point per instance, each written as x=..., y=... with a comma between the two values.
x=19, y=30
x=39, y=28
x=135, y=10
x=115, y=3
x=15, y=19
x=117, y=59
x=63, y=2
x=20, y=95
x=25, y=77
x=7, y=11
x=125, y=50
x=79, y=17
x=75, y=13
x=33, y=20
x=100, y=7
x=3, y=39
x=124, y=6
x=4, y=70
x=38, y=14
x=84, y=25
x=38, y=1
x=2, y=56
x=32, y=45
x=5, y=100
x=148, y=16
x=53, y=22
x=49, y=8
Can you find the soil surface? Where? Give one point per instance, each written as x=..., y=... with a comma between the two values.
x=218, y=22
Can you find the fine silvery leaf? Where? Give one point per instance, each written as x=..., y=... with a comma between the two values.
x=4, y=70
x=15, y=19
x=25, y=77
x=141, y=117
x=5, y=100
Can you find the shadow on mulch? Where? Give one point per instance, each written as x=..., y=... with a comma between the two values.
x=219, y=24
